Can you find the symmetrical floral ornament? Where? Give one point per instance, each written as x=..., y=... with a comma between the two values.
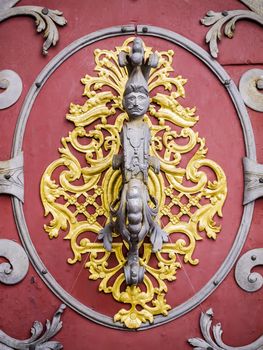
x=208, y=343
x=38, y=340
x=229, y=18
x=78, y=188
x=45, y=19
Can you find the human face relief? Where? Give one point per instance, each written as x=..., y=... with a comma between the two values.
x=136, y=104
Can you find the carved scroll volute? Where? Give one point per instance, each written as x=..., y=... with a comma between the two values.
x=131, y=215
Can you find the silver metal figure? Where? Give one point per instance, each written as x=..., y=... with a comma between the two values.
x=131, y=214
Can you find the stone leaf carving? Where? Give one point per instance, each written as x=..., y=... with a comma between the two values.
x=37, y=341
x=46, y=20
x=215, y=342
x=228, y=19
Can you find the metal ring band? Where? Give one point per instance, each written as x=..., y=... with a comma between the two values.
x=241, y=235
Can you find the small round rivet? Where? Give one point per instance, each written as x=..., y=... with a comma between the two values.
x=44, y=272
x=44, y=11
x=224, y=13
x=144, y=29
x=260, y=180
x=7, y=176
x=215, y=282
x=253, y=257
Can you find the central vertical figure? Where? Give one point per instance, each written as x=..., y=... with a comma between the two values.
x=131, y=214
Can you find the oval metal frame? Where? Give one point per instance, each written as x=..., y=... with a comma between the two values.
x=242, y=233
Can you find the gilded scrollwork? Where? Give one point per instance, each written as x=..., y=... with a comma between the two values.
x=79, y=198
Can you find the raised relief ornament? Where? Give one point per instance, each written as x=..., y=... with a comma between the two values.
x=143, y=199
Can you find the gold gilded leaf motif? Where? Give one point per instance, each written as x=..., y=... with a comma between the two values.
x=78, y=195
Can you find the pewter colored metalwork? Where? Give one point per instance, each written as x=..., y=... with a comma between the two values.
x=38, y=340
x=131, y=215
x=247, y=280
x=16, y=268
x=253, y=180
x=228, y=19
x=250, y=86
x=46, y=20
x=214, y=341
x=11, y=82
x=12, y=176
x=250, y=152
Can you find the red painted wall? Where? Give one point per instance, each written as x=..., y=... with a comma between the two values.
x=239, y=312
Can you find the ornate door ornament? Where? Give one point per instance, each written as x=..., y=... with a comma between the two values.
x=251, y=82
x=212, y=336
x=46, y=20
x=227, y=20
x=133, y=161
x=130, y=191
x=40, y=335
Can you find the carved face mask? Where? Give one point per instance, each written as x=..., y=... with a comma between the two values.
x=136, y=104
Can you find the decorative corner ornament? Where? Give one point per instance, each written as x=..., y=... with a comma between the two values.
x=133, y=180
x=46, y=19
x=208, y=343
x=228, y=19
x=38, y=340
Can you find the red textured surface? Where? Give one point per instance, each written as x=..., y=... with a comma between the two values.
x=239, y=312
